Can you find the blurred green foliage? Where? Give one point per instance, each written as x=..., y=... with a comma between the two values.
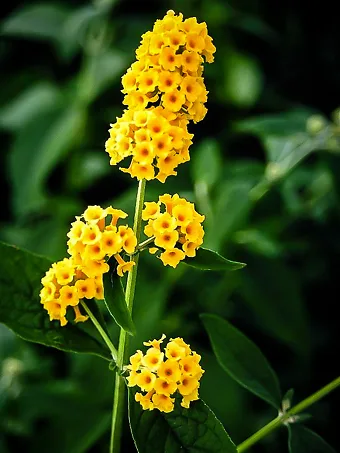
x=265, y=171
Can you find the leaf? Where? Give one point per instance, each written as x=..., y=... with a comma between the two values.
x=38, y=147
x=183, y=430
x=208, y=260
x=21, y=311
x=243, y=80
x=242, y=359
x=207, y=163
x=114, y=298
x=272, y=291
x=304, y=440
x=36, y=21
x=282, y=124
x=231, y=209
x=37, y=98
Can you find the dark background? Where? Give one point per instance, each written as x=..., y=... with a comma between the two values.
x=279, y=65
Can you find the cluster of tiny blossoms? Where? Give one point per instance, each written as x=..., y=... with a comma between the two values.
x=93, y=238
x=177, y=231
x=164, y=374
x=164, y=90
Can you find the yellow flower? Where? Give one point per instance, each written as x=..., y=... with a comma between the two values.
x=173, y=100
x=191, y=88
x=69, y=295
x=175, y=351
x=166, y=240
x=151, y=210
x=64, y=271
x=145, y=400
x=129, y=81
x=147, y=81
x=168, y=59
x=164, y=387
x=187, y=385
x=93, y=214
x=86, y=288
x=111, y=243
x=144, y=153
x=175, y=38
x=76, y=231
x=155, y=343
x=189, y=366
x=161, y=379
x=78, y=316
x=183, y=213
x=187, y=399
x=56, y=311
x=172, y=257
x=132, y=378
x=123, y=266
x=93, y=268
x=146, y=380
x=164, y=223
x=169, y=371
x=91, y=234
x=48, y=292
x=152, y=359
x=135, y=361
x=163, y=402
x=157, y=126
x=94, y=252
x=168, y=81
x=190, y=61
x=189, y=248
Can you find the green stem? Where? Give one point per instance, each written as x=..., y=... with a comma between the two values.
x=119, y=391
x=284, y=417
x=104, y=336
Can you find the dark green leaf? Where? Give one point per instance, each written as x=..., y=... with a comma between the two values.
x=304, y=440
x=242, y=359
x=272, y=291
x=21, y=311
x=114, y=298
x=194, y=430
x=208, y=260
x=36, y=21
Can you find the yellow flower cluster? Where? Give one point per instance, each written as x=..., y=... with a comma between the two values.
x=93, y=238
x=164, y=90
x=156, y=138
x=163, y=374
x=169, y=67
x=177, y=231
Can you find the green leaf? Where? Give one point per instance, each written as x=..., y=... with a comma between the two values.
x=243, y=80
x=42, y=21
x=242, y=359
x=206, y=163
x=304, y=440
x=41, y=97
x=114, y=298
x=231, y=209
x=21, y=311
x=272, y=291
x=183, y=430
x=282, y=124
x=38, y=147
x=208, y=260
